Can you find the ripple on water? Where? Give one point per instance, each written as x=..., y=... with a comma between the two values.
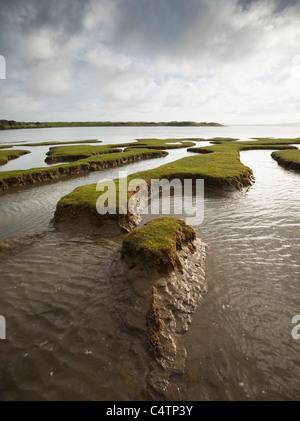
x=62, y=332
x=243, y=328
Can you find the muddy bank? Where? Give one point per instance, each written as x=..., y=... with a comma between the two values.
x=8, y=155
x=90, y=223
x=288, y=160
x=157, y=276
x=155, y=312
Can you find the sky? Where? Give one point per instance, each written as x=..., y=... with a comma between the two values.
x=229, y=61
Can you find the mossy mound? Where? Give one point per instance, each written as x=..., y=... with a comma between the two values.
x=74, y=153
x=289, y=159
x=157, y=242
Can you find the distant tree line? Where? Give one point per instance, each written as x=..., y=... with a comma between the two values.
x=11, y=124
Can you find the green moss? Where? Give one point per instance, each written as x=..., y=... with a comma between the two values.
x=74, y=153
x=7, y=155
x=289, y=159
x=157, y=242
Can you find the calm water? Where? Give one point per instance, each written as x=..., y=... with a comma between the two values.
x=63, y=338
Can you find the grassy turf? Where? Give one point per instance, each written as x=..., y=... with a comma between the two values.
x=281, y=141
x=289, y=159
x=93, y=163
x=157, y=242
x=7, y=155
x=74, y=153
x=217, y=140
x=162, y=143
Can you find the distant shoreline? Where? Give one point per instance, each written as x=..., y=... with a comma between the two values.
x=13, y=125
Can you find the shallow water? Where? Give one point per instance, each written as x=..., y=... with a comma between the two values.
x=127, y=134
x=240, y=342
x=61, y=325
x=63, y=336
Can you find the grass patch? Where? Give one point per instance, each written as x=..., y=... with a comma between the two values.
x=74, y=153
x=93, y=163
x=7, y=155
x=162, y=143
x=288, y=159
x=281, y=141
x=157, y=242
x=217, y=140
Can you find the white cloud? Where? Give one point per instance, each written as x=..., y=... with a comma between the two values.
x=166, y=59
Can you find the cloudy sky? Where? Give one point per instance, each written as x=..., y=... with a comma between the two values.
x=231, y=61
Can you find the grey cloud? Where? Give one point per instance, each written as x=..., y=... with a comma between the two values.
x=169, y=27
x=19, y=19
x=180, y=29
x=26, y=16
x=280, y=5
x=72, y=56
